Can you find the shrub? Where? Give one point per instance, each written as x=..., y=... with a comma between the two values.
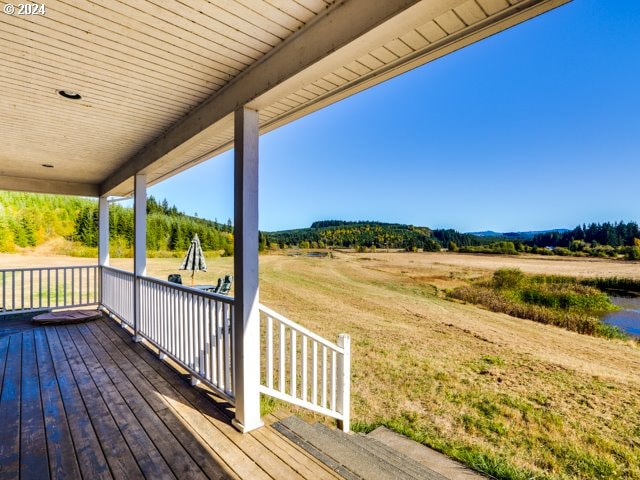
x=633, y=253
x=507, y=278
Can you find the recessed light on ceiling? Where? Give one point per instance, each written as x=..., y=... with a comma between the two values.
x=69, y=94
x=47, y=165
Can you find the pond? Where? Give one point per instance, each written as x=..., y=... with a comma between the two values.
x=628, y=317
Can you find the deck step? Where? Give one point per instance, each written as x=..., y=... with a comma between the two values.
x=424, y=455
x=354, y=456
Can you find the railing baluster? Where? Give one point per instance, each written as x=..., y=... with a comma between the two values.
x=226, y=359
x=231, y=361
x=217, y=360
x=201, y=335
x=314, y=372
x=293, y=359
x=22, y=289
x=303, y=367
x=269, y=352
x=282, y=373
x=192, y=332
x=324, y=377
x=31, y=289
x=214, y=341
x=206, y=336
x=333, y=380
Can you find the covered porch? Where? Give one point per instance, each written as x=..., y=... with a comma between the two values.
x=102, y=103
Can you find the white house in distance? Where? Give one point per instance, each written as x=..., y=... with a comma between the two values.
x=103, y=98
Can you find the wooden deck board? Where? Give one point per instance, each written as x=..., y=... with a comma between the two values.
x=144, y=450
x=181, y=463
x=84, y=401
x=209, y=461
x=179, y=396
x=89, y=454
x=121, y=461
x=57, y=428
x=34, y=462
x=10, y=411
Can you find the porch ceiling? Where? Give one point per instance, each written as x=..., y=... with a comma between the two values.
x=160, y=80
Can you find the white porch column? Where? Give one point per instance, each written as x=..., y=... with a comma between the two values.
x=103, y=238
x=103, y=231
x=139, y=246
x=246, y=317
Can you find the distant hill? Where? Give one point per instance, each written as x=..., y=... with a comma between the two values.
x=368, y=234
x=517, y=235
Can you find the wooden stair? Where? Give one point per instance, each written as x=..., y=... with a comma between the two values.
x=353, y=456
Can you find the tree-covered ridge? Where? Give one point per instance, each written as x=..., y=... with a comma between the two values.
x=368, y=234
x=31, y=219
x=618, y=234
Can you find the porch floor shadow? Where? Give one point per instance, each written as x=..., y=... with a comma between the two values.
x=84, y=401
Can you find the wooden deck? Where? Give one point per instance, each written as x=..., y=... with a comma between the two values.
x=84, y=401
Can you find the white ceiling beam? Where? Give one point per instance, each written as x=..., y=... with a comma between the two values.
x=38, y=185
x=337, y=27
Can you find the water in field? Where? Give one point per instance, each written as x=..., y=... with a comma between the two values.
x=628, y=317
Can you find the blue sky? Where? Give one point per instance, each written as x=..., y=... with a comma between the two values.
x=534, y=128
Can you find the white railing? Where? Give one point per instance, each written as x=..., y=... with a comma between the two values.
x=118, y=293
x=194, y=327
x=304, y=369
x=28, y=289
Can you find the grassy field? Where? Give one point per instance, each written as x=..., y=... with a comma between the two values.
x=511, y=397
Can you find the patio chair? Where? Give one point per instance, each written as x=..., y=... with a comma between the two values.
x=175, y=278
x=226, y=285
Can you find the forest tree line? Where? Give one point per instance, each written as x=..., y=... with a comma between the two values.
x=596, y=240
x=28, y=220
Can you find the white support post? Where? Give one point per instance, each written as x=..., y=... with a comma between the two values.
x=246, y=315
x=103, y=231
x=139, y=247
x=103, y=239
x=344, y=383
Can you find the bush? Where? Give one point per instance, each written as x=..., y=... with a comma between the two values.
x=507, y=278
x=633, y=253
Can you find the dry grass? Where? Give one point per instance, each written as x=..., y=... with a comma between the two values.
x=515, y=398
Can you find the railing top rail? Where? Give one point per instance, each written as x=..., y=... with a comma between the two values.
x=119, y=270
x=35, y=269
x=300, y=329
x=190, y=290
